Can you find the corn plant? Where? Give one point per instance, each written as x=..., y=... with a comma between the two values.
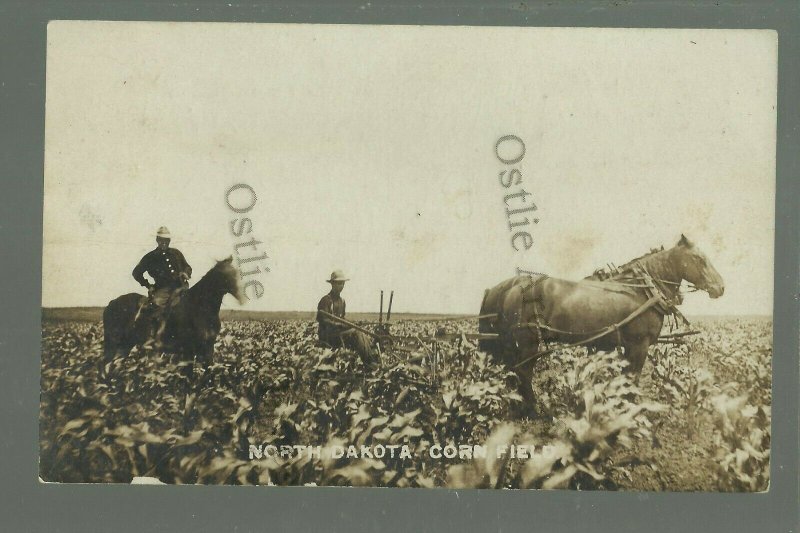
x=742, y=434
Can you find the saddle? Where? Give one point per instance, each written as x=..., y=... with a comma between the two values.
x=158, y=305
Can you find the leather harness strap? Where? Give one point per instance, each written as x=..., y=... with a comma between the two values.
x=652, y=290
x=653, y=300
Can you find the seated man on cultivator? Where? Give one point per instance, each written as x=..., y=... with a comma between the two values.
x=329, y=330
x=334, y=334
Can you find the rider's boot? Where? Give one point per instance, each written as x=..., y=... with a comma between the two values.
x=158, y=343
x=150, y=343
x=153, y=329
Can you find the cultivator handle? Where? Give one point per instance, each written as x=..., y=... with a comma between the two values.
x=356, y=327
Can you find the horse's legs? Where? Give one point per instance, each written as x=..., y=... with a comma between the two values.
x=525, y=374
x=204, y=359
x=110, y=352
x=189, y=387
x=636, y=354
x=114, y=344
x=525, y=388
x=201, y=356
x=113, y=350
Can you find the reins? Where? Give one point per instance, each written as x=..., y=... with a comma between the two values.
x=691, y=288
x=602, y=333
x=655, y=298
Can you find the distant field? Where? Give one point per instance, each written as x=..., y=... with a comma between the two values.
x=95, y=314
x=74, y=314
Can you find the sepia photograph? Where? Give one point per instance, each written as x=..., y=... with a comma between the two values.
x=408, y=256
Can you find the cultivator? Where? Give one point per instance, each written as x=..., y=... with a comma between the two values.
x=420, y=348
x=385, y=338
x=415, y=349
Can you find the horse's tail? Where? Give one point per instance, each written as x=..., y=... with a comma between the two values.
x=492, y=305
x=108, y=333
x=505, y=303
x=118, y=324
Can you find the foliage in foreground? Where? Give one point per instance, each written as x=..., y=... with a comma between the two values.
x=743, y=439
x=270, y=385
x=602, y=411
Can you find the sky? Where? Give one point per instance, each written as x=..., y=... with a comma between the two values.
x=372, y=149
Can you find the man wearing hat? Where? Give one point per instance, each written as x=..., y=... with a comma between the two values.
x=330, y=331
x=170, y=273
x=335, y=335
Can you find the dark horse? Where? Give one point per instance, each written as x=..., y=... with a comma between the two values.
x=192, y=324
x=530, y=310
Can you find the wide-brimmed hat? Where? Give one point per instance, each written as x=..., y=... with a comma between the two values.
x=163, y=233
x=337, y=275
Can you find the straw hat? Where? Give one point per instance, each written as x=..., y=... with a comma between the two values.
x=163, y=233
x=338, y=275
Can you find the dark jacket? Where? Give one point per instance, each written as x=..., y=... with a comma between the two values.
x=164, y=266
x=328, y=329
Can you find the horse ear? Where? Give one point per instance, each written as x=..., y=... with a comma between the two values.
x=684, y=241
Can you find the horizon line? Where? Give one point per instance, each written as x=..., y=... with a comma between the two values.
x=375, y=313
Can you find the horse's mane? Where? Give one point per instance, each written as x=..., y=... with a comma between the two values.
x=613, y=271
x=629, y=264
x=213, y=275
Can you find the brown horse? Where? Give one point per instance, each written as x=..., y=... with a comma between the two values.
x=192, y=325
x=531, y=310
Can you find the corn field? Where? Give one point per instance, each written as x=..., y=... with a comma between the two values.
x=698, y=418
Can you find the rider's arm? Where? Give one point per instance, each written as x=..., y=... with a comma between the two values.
x=139, y=270
x=324, y=304
x=185, y=268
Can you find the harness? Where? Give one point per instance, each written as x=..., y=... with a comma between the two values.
x=641, y=279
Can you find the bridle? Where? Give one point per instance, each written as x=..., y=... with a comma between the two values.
x=690, y=286
x=641, y=283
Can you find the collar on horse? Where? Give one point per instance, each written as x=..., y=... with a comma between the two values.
x=640, y=278
x=656, y=287
x=654, y=290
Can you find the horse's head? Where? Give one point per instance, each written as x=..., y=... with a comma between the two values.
x=697, y=269
x=229, y=276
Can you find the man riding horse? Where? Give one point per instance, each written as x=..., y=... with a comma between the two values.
x=170, y=273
